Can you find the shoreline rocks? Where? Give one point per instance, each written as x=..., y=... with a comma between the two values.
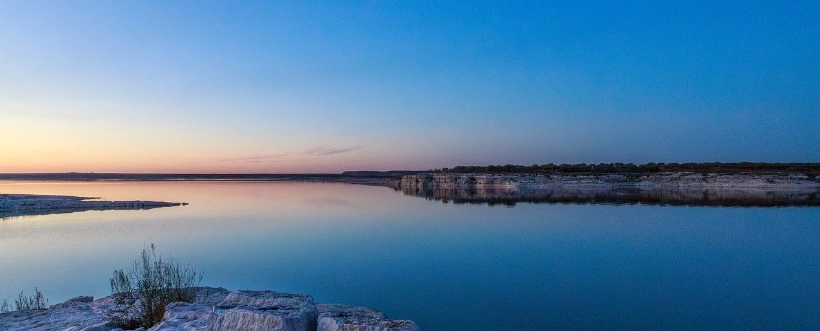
x=749, y=190
x=214, y=309
x=676, y=179
x=12, y=205
x=265, y=310
x=335, y=317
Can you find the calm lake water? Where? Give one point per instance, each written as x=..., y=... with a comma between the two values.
x=448, y=267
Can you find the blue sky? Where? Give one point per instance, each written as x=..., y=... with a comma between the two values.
x=224, y=86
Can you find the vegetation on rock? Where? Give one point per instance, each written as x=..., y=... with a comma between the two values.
x=142, y=292
x=24, y=302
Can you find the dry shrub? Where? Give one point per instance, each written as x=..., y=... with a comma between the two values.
x=142, y=292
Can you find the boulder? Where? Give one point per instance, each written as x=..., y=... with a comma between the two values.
x=265, y=310
x=333, y=317
x=210, y=296
x=68, y=316
x=73, y=302
x=192, y=316
x=186, y=316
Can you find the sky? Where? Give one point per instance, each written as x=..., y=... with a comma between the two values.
x=313, y=86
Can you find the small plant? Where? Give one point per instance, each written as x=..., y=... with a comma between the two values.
x=24, y=302
x=142, y=292
x=5, y=307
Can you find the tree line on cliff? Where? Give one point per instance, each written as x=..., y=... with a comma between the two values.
x=810, y=169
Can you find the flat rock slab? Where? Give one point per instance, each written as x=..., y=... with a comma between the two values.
x=186, y=317
x=196, y=316
x=77, y=314
x=12, y=205
x=266, y=310
x=334, y=317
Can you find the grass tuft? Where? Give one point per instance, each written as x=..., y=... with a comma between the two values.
x=142, y=292
x=25, y=302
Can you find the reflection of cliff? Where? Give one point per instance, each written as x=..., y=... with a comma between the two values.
x=509, y=191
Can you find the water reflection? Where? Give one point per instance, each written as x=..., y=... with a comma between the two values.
x=679, y=196
x=446, y=266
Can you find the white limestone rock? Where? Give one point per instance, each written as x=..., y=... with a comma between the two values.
x=73, y=302
x=266, y=310
x=210, y=296
x=214, y=309
x=334, y=317
x=195, y=316
x=186, y=316
x=72, y=315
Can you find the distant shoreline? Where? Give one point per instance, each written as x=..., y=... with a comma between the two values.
x=731, y=184
x=347, y=176
x=374, y=178
x=811, y=170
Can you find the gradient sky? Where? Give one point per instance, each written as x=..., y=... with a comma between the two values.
x=280, y=86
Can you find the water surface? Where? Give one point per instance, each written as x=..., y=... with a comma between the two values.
x=446, y=266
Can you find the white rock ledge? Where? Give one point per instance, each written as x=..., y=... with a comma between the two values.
x=792, y=181
x=696, y=189
x=214, y=309
x=12, y=205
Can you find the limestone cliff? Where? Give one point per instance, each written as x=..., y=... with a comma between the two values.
x=665, y=188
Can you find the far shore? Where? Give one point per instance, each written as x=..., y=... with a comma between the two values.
x=742, y=184
x=356, y=177
x=674, y=188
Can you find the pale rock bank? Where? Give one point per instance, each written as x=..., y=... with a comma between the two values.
x=679, y=188
x=214, y=309
x=12, y=205
x=671, y=179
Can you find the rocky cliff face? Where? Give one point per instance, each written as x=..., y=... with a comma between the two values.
x=214, y=309
x=436, y=179
x=670, y=188
x=784, y=181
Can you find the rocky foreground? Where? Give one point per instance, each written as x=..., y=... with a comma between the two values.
x=31, y=204
x=215, y=309
x=697, y=189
